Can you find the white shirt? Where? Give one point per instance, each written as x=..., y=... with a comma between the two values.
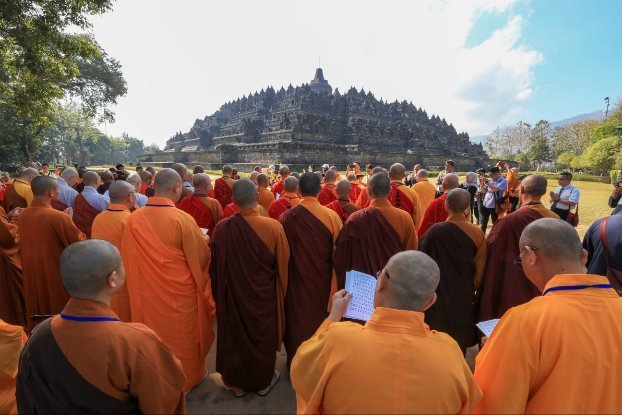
x=94, y=199
x=569, y=193
x=490, y=198
x=67, y=194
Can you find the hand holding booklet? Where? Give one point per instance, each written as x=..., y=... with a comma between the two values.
x=487, y=326
x=362, y=286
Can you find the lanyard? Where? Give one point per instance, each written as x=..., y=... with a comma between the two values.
x=157, y=205
x=574, y=287
x=114, y=210
x=199, y=195
x=86, y=319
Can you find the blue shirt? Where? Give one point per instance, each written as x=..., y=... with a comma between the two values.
x=141, y=199
x=596, y=263
x=490, y=198
x=568, y=193
x=189, y=186
x=97, y=201
x=67, y=194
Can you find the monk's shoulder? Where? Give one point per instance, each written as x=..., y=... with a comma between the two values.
x=342, y=332
x=140, y=337
x=444, y=341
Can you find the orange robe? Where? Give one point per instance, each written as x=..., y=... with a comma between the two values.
x=12, y=340
x=363, y=199
x=109, y=225
x=206, y=211
x=232, y=209
x=558, y=353
x=264, y=197
x=392, y=364
x=44, y=234
x=426, y=192
x=282, y=204
x=168, y=282
x=12, y=308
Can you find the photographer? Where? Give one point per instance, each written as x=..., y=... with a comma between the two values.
x=615, y=200
x=493, y=197
x=565, y=197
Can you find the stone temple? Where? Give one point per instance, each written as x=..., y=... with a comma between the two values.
x=313, y=124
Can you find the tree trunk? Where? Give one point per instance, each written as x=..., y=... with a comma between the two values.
x=81, y=147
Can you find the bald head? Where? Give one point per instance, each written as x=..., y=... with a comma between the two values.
x=181, y=170
x=534, y=185
x=166, y=181
x=28, y=174
x=202, y=181
x=70, y=176
x=134, y=179
x=90, y=178
x=106, y=176
x=42, y=185
x=397, y=171
x=343, y=189
x=458, y=200
x=253, y=177
x=262, y=180
x=85, y=267
x=146, y=177
x=423, y=173
x=119, y=191
x=351, y=177
x=379, y=186
x=291, y=184
x=555, y=239
x=284, y=171
x=330, y=176
x=411, y=285
x=377, y=169
x=450, y=181
x=244, y=193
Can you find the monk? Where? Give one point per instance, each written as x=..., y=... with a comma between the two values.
x=250, y=260
x=85, y=360
x=436, y=212
x=373, y=235
x=355, y=187
x=311, y=231
x=109, y=225
x=426, y=191
x=328, y=193
x=364, y=199
x=135, y=180
x=67, y=180
x=44, y=232
x=232, y=209
x=459, y=249
x=12, y=307
x=89, y=203
x=402, y=196
x=168, y=280
x=337, y=175
x=277, y=188
x=198, y=169
x=560, y=352
x=205, y=210
x=187, y=189
x=146, y=180
x=264, y=196
x=288, y=199
x=12, y=340
x=504, y=284
x=343, y=206
x=19, y=193
x=107, y=178
x=392, y=364
x=223, y=185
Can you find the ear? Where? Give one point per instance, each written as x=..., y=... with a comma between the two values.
x=112, y=280
x=381, y=285
x=430, y=302
x=584, y=255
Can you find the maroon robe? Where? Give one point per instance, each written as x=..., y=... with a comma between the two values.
x=12, y=199
x=399, y=200
x=84, y=215
x=454, y=311
x=58, y=205
x=366, y=243
x=327, y=195
x=310, y=276
x=504, y=285
x=247, y=328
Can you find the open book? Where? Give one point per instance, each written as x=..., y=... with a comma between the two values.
x=362, y=286
x=487, y=326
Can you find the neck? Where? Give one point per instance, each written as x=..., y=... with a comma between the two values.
x=44, y=200
x=198, y=191
x=530, y=199
x=171, y=196
x=103, y=298
x=561, y=268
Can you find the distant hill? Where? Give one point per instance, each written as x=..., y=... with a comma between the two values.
x=594, y=115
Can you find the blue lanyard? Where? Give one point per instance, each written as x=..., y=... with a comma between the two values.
x=575, y=287
x=83, y=319
x=157, y=205
x=199, y=195
x=114, y=210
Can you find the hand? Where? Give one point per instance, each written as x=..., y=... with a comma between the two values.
x=68, y=212
x=14, y=213
x=341, y=299
x=554, y=196
x=617, y=192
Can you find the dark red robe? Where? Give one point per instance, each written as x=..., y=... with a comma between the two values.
x=504, y=285
x=222, y=192
x=58, y=205
x=278, y=207
x=355, y=191
x=399, y=200
x=193, y=206
x=327, y=194
x=84, y=215
x=277, y=188
x=310, y=276
x=435, y=213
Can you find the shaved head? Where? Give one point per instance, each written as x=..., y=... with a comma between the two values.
x=119, y=191
x=189, y=177
x=68, y=174
x=379, y=186
x=351, y=177
x=377, y=169
x=202, y=181
x=181, y=169
x=284, y=171
x=291, y=184
x=227, y=170
x=534, y=185
x=450, y=181
x=344, y=188
x=423, y=173
x=262, y=180
x=106, y=175
x=134, y=179
x=198, y=169
x=554, y=238
x=244, y=193
x=145, y=177
x=310, y=184
x=330, y=176
x=412, y=282
x=397, y=171
x=166, y=180
x=90, y=178
x=458, y=200
x=28, y=173
x=86, y=265
x=253, y=177
x=40, y=185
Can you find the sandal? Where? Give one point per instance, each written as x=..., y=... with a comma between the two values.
x=275, y=380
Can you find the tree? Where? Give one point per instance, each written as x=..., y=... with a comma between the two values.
x=566, y=160
x=575, y=137
x=539, y=150
x=603, y=155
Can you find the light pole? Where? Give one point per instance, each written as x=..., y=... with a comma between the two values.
x=607, y=104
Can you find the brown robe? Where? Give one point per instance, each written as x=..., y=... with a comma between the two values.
x=12, y=199
x=249, y=296
x=459, y=249
x=12, y=308
x=84, y=215
x=58, y=205
x=504, y=285
x=44, y=234
x=311, y=233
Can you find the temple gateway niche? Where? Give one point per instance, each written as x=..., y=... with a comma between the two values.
x=313, y=124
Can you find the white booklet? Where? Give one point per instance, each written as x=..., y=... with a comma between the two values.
x=487, y=326
x=362, y=286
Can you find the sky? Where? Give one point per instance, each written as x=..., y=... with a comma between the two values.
x=476, y=63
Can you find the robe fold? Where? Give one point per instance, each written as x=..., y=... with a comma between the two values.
x=403, y=197
x=281, y=205
x=343, y=208
x=168, y=282
x=435, y=213
x=12, y=199
x=264, y=197
x=223, y=189
x=205, y=211
x=426, y=192
x=459, y=249
x=232, y=209
x=12, y=306
x=58, y=205
x=277, y=188
x=504, y=285
x=84, y=215
x=311, y=232
x=12, y=340
x=42, y=226
x=355, y=191
x=250, y=296
x=371, y=237
x=327, y=194
x=363, y=199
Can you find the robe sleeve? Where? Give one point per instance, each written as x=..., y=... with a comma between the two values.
x=8, y=233
x=411, y=242
x=70, y=232
x=480, y=262
x=505, y=368
x=281, y=254
x=197, y=253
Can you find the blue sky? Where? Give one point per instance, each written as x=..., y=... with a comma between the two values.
x=477, y=63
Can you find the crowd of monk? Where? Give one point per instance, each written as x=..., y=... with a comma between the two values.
x=116, y=284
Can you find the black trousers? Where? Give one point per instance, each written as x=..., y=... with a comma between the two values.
x=485, y=214
x=514, y=202
x=563, y=214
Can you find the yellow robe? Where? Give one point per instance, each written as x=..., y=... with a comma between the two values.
x=12, y=340
x=426, y=192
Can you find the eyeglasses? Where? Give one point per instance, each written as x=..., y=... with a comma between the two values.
x=380, y=272
x=519, y=262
